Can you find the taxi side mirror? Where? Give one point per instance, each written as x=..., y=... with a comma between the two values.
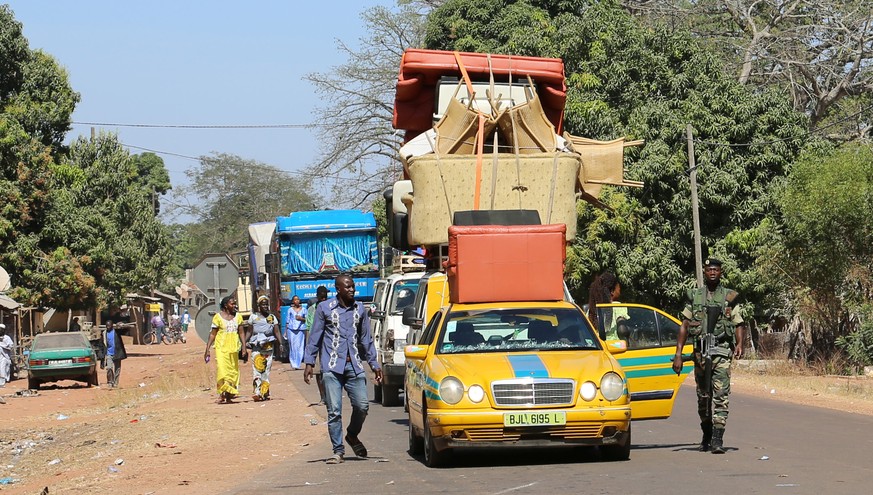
x=616, y=346
x=415, y=352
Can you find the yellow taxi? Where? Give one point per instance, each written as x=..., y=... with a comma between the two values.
x=520, y=374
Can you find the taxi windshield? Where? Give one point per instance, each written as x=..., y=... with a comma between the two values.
x=517, y=329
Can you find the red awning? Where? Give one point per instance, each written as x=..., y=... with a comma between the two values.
x=421, y=69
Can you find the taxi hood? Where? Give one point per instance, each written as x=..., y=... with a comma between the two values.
x=484, y=368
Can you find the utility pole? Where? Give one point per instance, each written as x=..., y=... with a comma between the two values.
x=695, y=215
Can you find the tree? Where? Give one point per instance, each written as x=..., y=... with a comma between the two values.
x=152, y=176
x=819, y=244
x=625, y=79
x=235, y=192
x=819, y=51
x=14, y=53
x=359, y=154
x=102, y=212
x=36, y=102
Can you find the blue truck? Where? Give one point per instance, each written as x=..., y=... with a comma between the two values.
x=310, y=248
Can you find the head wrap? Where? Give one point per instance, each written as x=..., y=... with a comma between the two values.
x=263, y=298
x=225, y=300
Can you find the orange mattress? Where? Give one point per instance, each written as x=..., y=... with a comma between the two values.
x=421, y=69
x=495, y=263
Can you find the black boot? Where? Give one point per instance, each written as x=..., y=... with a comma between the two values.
x=717, y=438
x=707, y=436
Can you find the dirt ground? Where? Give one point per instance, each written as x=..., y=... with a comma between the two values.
x=162, y=431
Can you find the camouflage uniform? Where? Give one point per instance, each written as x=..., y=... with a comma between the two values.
x=725, y=332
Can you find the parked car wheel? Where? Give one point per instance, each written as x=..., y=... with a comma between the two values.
x=432, y=457
x=617, y=452
x=416, y=443
x=32, y=383
x=93, y=380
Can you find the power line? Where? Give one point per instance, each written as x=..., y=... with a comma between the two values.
x=269, y=167
x=201, y=126
x=169, y=153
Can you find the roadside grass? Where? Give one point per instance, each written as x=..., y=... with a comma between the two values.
x=815, y=383
x=172, y=383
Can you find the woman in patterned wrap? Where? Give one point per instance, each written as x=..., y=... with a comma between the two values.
x=227, y=335
x=265, y=336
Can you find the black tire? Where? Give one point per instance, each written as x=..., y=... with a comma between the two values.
x=432, y=457
x=148, y=338
x=93, y=380
x=377, y=393
x=613, y=453
x=416, y=443
x=32, y=383
x=391, y=396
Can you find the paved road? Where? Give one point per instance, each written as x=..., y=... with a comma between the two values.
x=773, y=448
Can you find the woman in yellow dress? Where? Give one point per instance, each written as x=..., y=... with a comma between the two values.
x=228, y=334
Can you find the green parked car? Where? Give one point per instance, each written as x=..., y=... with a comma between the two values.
x=61, y=356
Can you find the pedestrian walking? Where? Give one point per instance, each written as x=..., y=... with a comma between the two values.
x=6, y=345
x=115, y=353
x=713, y=320
x=295, y=332
x=227, y=334
x=320, y=295
x=341, y=339
x=265, y=337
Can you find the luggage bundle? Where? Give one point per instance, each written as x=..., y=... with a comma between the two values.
x=496, y=145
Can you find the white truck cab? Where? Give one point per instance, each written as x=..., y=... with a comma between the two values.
x=391, y=295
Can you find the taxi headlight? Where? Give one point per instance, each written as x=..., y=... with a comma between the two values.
x=476, y=393
x=612, y=386
x=451, y=390
x=588, y=391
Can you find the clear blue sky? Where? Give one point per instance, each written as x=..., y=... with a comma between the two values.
x=212, y=62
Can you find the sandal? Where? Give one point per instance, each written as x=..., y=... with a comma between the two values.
x=357, y=446
x=334, y=459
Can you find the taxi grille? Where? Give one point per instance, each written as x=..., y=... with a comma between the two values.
x=556, y=433
x=533, y=392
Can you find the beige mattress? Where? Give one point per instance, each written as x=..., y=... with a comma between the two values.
x=446, y=185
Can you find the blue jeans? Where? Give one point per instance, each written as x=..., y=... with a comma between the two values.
x=356, y=387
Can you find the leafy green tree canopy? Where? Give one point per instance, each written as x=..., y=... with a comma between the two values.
x=625, y=79
x=234, y=192
x=36, y=102
x=103, y=213
x=820, y=244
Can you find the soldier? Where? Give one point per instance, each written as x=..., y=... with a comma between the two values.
x=712, y=319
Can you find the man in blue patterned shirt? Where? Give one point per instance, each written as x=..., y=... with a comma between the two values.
x=340, y=337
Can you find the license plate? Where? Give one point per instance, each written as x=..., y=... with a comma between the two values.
x=535, y=418
x=61, y=361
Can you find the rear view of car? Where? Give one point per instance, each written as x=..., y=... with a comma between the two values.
x=61, y=356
